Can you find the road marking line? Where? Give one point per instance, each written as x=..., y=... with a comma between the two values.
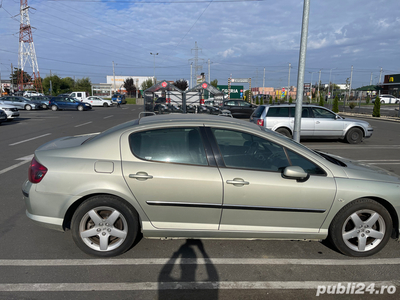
x=180, y=285
x=24, y=159
x=83, y=124
x=196, y=261
x=34, y=138
x=108, y=117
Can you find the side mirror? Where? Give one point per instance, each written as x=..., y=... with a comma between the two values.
x=295, y=172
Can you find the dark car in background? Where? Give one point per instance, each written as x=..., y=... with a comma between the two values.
x=42, y=101
x=118, y=98
x=239, y=108
x=68, y=103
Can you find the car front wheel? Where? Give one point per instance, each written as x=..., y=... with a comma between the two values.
x=354, y=136
x=361, y=228
x=105, y=104
x=28, y=107
x=104, y=226
x=80, y=107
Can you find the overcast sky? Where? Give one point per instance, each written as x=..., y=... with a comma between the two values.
x=240, y=38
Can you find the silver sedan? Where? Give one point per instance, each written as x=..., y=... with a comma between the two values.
x=202, y=176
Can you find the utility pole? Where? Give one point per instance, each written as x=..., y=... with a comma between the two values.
x=370, y=82
x=319, y=83
x=300, y=74
x=351, y=79
x=288, y=84
x=154, y=54
x=196, y=61
x=26, y=49
x=380, y=76
x=264, y=81
x=114, y=76
x=12, y=79
x=329, y=84
x=209, y=71
x=191, y=75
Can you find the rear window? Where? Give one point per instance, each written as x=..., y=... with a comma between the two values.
x=258, y=112
x=278, y=112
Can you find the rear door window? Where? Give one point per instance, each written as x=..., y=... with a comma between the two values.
x=171, y=145
x=277, y=111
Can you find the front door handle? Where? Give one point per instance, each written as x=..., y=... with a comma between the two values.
x=141, y=176
x=237, y=182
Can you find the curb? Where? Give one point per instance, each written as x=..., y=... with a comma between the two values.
x=382, y=118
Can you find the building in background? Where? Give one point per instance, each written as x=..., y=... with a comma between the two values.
x=391, y=85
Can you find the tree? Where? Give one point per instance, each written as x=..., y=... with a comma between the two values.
x=84, y=85
x=290, y=100
x=321, y=100
x=368, y=99
x=335, y=106
x=17, y=73
x=377, y=107
x=147, y=84
x=214, y=83
x=181, y=84
x=130, y=86
x=56, y=83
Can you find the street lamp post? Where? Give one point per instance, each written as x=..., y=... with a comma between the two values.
x=154, y=54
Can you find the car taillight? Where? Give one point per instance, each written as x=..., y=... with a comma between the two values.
x=260, y=122
x=36, y=171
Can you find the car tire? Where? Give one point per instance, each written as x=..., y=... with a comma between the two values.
x=105, y=105
x=397, y=102
x=284, y=132
x=44, y=106
x=383, y=101
x=354, y=136
x=80, y=108
x=54, y=107
x=361, y=221
x=28, y=107
x=104, y=226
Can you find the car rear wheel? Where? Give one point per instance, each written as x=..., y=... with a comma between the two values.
x=383, y=101
x=284, y=132
x=361, y=228
x=44, y=106
x=54, y=107
x=28, y=107
x=354, y=136
x=80, y=107
x=104, y=226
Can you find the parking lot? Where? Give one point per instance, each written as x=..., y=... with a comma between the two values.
x=38, y=263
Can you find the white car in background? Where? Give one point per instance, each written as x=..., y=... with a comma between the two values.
x=97, y=101
x=387, y=99
x=11, y=111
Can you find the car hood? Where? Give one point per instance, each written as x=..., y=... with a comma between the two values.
x=359, y=170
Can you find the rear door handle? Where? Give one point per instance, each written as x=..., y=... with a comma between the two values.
x=237, y=182
x=141, y=176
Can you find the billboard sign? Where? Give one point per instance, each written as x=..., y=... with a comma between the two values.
x=234, y=91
